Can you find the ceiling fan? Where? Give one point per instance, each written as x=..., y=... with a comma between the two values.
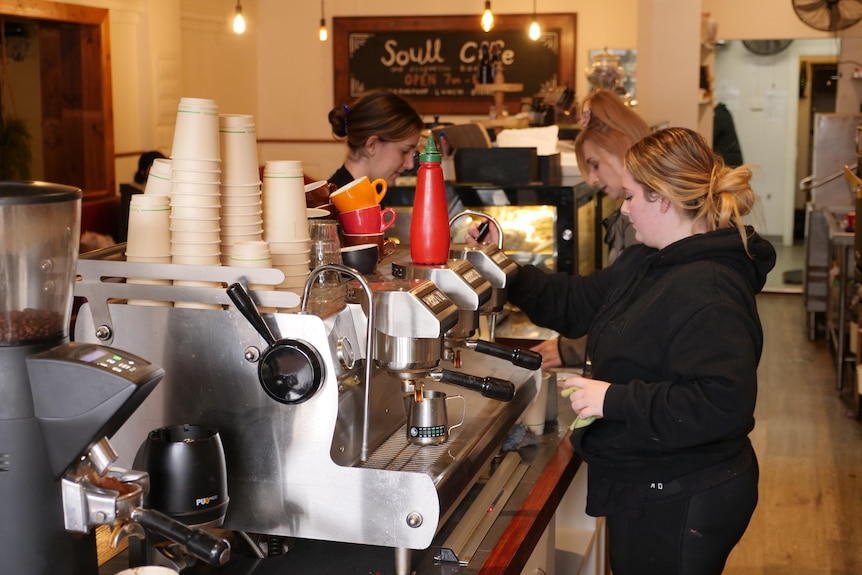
x=829, y=15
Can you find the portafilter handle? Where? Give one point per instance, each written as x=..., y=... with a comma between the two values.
x=525, y=358
x=489, y=387
x=197, y=542
x=242, y=300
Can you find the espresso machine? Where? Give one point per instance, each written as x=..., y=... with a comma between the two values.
x=316, y=446
x=61, y=400
x=474, y=295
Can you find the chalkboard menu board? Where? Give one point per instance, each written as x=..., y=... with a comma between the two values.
x=434, y=61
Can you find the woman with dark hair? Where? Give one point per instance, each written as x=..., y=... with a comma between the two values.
x=382, y=131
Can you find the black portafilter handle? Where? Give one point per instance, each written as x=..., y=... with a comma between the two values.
x=490, y=387
x=240, y=297
x=525, y=358
x=197, y=542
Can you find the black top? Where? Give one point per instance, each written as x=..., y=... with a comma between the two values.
x=341, y=177
x=677, y=333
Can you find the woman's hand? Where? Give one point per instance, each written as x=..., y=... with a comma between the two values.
x=587, y=397
x=550, y=350
x=472, y=235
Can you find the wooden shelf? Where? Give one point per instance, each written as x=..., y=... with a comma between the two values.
x=494, y=88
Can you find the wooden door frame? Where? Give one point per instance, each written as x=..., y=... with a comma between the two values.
x=98, y=141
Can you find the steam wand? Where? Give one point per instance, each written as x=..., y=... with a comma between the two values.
x=369, y=338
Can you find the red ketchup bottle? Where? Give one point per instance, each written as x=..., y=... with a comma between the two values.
x=429, y=229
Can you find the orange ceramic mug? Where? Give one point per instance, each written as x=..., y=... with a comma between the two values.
x=360, y=193
x=384, y=247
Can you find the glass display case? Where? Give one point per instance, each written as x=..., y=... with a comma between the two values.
x=554, y=227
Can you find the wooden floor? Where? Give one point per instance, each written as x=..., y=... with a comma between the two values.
x=809, y=517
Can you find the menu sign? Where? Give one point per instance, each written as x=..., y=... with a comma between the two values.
x=434, y=61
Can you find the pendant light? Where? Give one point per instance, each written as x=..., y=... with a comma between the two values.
x=487, y=17
x=238, y=19
x=322, y=33
x=535, y=31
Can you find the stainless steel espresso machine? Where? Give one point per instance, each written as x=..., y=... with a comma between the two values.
x=60, y=402
x=316, y=445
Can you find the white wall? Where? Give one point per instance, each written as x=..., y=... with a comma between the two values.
x=762, y=93
x=295, y=68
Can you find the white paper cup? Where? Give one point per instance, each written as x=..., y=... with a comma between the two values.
x=534, y=416
x=196, y=130
x=241, y=189
x=149, y=202
x=199, y=249
x=251, y=249
x=149, y=231
x=282, y=168
x=159, y=179
x=300, y=258
x=229, y=210
x=183, y=237
x=293, y=282
x=227, y=240
x=194, y=165
x=195, y=225
x=293, y=269
x=195, y=212
x=238, y=141
x=195, y=201
x=253, y=227
x=209, y=260
x=288, y=247
x=131, y=257
x=196, y=188
x=198, y=177
x=161, y=167
x=284, y=212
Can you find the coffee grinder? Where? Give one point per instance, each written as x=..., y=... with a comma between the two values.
x=61, y=400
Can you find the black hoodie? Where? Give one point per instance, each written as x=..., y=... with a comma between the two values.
x=677, y=333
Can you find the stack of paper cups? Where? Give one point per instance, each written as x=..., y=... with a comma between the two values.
x=285, y=221
x=195, y=206
x=241, y=210
x=159, y=179
x=149, y=238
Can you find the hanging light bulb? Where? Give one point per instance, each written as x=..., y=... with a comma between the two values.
x=238, y=20
x=535, y=31
x=322, y=33
x=487, y=17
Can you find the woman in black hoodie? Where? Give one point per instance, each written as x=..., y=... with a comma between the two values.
x=674, y=340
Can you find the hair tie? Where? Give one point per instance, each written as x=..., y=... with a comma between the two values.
x=346, y=113
x=586, y=116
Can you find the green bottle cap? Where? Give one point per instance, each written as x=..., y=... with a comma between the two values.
x=431, y=154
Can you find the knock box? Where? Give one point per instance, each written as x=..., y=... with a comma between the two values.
x=506, y=166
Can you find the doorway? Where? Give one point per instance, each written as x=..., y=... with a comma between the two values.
x=818, y=85
x=56, y=82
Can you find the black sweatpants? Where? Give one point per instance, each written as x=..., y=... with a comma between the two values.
x=679, y=534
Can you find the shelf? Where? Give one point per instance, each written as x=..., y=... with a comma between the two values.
x=494, y=88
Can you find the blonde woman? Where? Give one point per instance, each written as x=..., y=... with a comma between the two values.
x=674, y=340
x=608, y=129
